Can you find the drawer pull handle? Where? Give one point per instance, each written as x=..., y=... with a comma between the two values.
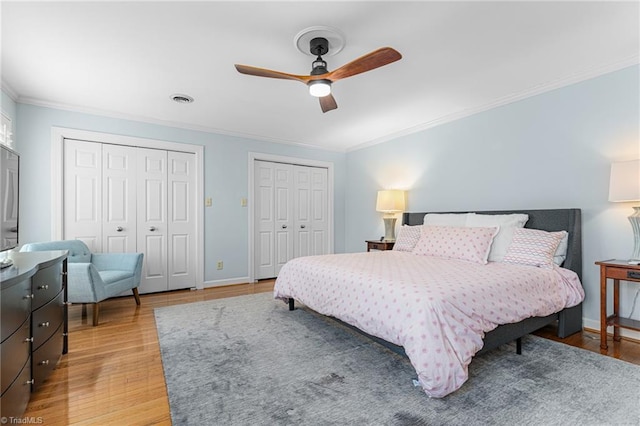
x=29, y=340
x=44, y=324
x=633, y=274
x=29, y=296
x=29, y=382
x=43, y=287
x=45, y=362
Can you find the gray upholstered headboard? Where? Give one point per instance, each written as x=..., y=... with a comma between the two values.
x=548, y=220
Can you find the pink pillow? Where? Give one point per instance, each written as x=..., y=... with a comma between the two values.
x=533, y=247
x=452, y=242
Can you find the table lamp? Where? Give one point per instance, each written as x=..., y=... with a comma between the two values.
x=624, y=187
x=390, y=202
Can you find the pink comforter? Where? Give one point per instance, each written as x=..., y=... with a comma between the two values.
x=437, y=309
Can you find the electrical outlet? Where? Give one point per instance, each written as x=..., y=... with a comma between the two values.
x=220, y=265
x=243, y=202
x=208, y=202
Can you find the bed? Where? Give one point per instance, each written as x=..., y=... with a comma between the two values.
x=443, y=310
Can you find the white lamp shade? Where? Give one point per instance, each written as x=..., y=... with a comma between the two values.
x=624, y=184
x=390, y=201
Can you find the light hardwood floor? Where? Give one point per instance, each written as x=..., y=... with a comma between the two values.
x=113, y=372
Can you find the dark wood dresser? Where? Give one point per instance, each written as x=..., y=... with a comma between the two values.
x=33, y=319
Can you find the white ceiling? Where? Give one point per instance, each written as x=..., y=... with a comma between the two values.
x=125, y=59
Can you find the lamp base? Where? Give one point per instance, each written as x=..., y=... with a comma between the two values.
x=634, y=219
x=389, y=228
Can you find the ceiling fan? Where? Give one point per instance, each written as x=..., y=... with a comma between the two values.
x=320, y=79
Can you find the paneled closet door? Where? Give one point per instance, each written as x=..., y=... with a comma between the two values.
x=283, y=214
x=264, y=219
x=319, y=211
x=182, y=219
x=311, y=211
x=152, y=221
x=290, y=214
x=119, y=203
x=82, y=193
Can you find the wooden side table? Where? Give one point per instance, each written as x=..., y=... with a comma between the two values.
x=616, y=270
x=379, y=245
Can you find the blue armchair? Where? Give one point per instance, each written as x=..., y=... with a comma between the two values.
x=94, y=277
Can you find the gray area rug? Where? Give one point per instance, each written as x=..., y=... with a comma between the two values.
x=249, y=361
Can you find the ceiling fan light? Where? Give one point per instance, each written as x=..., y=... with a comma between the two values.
x=319, y=88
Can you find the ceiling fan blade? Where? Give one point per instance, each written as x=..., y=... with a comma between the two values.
x=327, y=103
x=368, y=62
x=263, y=72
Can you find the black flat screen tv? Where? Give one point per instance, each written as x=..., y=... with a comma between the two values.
x=9, y=201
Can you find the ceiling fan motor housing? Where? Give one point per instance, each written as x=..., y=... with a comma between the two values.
x=319, y=46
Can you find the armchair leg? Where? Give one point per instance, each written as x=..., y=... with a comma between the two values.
x=96, y=311
x=136, y=295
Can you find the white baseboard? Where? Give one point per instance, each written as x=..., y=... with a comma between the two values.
x=228, y=281
x=595, y=326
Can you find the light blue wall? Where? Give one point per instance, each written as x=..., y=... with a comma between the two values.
x=553, y=150
x=225, y=180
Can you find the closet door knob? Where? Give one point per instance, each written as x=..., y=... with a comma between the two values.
x=284, y=226
x=152, y=228
x=303, y=226
x=119, y=229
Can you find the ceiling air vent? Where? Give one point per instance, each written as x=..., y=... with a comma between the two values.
x=182, y=99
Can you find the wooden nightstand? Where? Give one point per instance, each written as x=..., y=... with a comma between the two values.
x=379, y=245
x=616, y=270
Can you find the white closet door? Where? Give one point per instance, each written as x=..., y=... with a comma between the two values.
x=152, y=218
x=181, y=220
x=291, y=214
x=302, y=210
x=119, y=203
x=283, y=214
x=264, y=219
x=82, y=193
x=319, y=211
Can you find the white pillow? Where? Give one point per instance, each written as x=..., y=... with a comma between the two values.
x=533, y=247
x=446, y=219
x=408, y=236
x=456, y=242
x=561, y=253
x=506, y=222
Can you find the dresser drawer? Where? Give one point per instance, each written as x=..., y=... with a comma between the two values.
x=14, y=401
x=15, y=305
x=46, y=357
x=45, y=320
x=623, y=274
x=14, y=354
x=46, y=284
